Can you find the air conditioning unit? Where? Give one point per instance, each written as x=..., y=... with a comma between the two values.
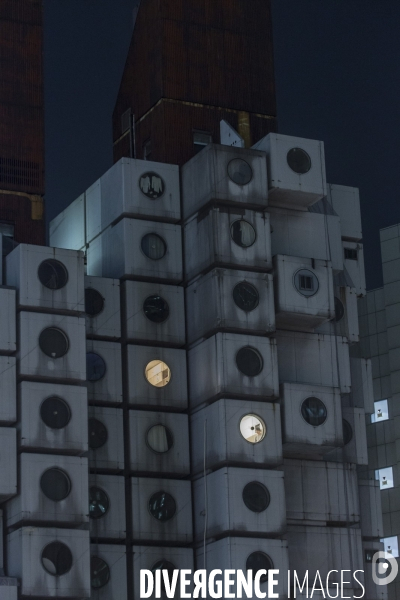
x=372, y=590
x=230, y=300
x=326, y=549
x=354, y=449
x=346, y=203
x=53, y=489
x=161, y=443
x=50, y=562
x=8, y=588
x=153, y=312
x=8, y=336
x=314, y=359
x=8, y=386
x=8, y=463
x=108, y=572
x=102, y=307
x=321, y=492
x=224, y=175
x=354, y=264
x=227, y=237
x=243, y=553
x=53, y=417
x=242, y=366
x=137, y=249
x=161, y=510
x=104, y=371
x=345, y=321
x=107, y=507
x=157, y=377
x=236, y=432
x=362, y=391
x=303, y=292
x=306, y=234
x=311, y=420
x=296, y=170
x=106, y=439
x=371, y=509
x=46, y=278
x=67, y=230
x=153, y=558
x=51, y=347
x=239, y=502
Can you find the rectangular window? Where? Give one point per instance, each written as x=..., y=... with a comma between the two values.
x=200, y=140
x=368, y=555
x=147, y=150
x=306, y=283
x=391, y=545
x=385, y=478
x=350, y=254
x=381, y=411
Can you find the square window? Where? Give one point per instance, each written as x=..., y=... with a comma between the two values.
x=351, y=254
x=306, y=283
x=381, y=411
x=391, y=545
x=385, y=478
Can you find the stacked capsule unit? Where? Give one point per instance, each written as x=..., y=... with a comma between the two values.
x=46, y=521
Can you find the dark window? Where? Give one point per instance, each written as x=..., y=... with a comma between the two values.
x=95, y=367
x=160, y=439
x=243, y=233
x=162, y=506
x=351, y=253
x=201, y=140
x=52, y=274
x=98, y=434
x=257, y=561
x=151, y=185
x=256, y=497
x=245, y=296
x=249, y=361
x=55, y=484
x=55, y=413
x=94, y=302
x=53, y=342
x=306, y=282
x=57, y=558
x=299, y=161
x=369, y=554
x=99, y=502
x=99, y=572
x=153, y=246
x=347, y=432
x=147, y=150
x=339, y=310
x=156, y=309
x=164, y=565
x=314, y=411
x=240, y=171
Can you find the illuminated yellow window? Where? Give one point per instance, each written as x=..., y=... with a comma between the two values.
x=158, y=373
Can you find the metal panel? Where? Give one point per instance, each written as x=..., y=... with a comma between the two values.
x=8, y=588
x=371, y=509
x=355, y=451
x=215, y=431
x=355, y=268
x=212, y=305
x=36, y=435
x=106, y=323
x=8, y=463
x=115, y=558
x=346, y=203
x=8, y=387
x=8, y=336
x=112, y=524
x=67, y=229
x=110, y=455
x=347, y=325
x=217, y=357
x=109, y=387
x=362, y=391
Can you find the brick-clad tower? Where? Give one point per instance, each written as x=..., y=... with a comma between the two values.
x=21, y=121
x=191, y=64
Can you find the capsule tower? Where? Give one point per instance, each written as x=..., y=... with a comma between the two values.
x=211, y=279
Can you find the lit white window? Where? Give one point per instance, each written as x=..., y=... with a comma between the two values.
x=391, y=545
x=385, y=478
x=381, y=411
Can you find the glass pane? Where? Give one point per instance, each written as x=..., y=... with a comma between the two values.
x=158, y=373
x=314, y=411
x=53, y=342
x=94, y=302
x=99, y=502
x=240, y=171
x=162, y=506
x=160, y=438
x=258, y=561
x=252, y=428
x=153, y=246
x=99, y=572
x=95, y=367
x=299, y=161
x=347, y=432
x=151, y=184
x=249, y=361
x=55, y=413
x=381, y=411
x=55, y=484
x=243, y=233
x=256, y=497
x=52, y=274
x=339, y=310
x=245, y=296
x=156, y=309
x=306, y=282
x=98, y=434
x=57, y=558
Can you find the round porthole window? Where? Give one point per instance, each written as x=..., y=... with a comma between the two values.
x=151, y=185
x=249, y=361
x=243, y=233
x=239, y=171
x=156, y=309
x=57, y=558
x=95, y=367
x=153, y=246
x=164, y=565
x=162, y=506
x=160, y=439
x=158, y=373
x=55, y=484
x=98, y=434
x=53, y=342
x=339, y=310
x=252, y=428
x=94, y=302
x=314, y=411
x=256, y=497
x=306, y=282
x=257, y=561
x=55, y=413
x=52, y=274
x=347, y=432
x=99, y=502
x=99, y=572
x=245, y=296
x=299, y=161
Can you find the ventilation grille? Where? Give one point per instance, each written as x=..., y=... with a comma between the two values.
x=19, y=172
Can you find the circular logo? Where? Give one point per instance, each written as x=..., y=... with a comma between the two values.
x=151, y=185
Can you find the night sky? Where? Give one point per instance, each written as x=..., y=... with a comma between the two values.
x=337, y=76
